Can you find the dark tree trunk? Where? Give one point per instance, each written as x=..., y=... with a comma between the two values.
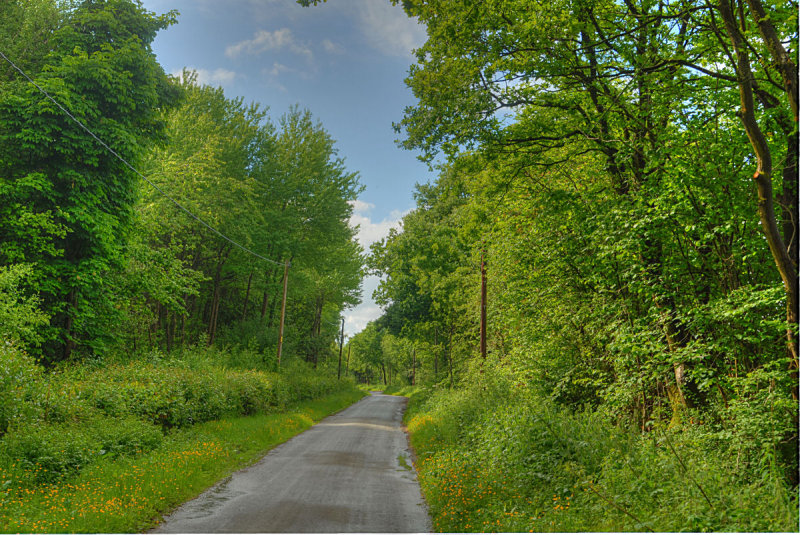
x=247, y=296
x=763, y=175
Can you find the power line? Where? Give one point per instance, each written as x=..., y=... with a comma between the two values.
x=132, y=168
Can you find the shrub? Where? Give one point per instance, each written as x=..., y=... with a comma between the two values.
x=20, y=317
x=59, y=422
x=45, y=452
x=125, y=436
x=18, y=373
x=523, y=462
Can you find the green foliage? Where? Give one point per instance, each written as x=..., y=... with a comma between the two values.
x=66, y=200
x=56, y=424
x=48, y=452
x=18, y=375
x=127, y=493
x=116, y=264
x=20, y=317
x=493, y=458
x=638, y=376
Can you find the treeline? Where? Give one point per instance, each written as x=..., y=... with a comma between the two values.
x=117, y=261
x=626, y=172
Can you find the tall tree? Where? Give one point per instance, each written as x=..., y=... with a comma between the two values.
x=100, y=66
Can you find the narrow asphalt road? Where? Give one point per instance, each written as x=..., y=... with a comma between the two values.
x=349, y=473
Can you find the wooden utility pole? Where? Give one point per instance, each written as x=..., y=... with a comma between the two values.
x=414, y=367
x=341, y=346
x=283, y=310
x=435, y=354
x=483, y=307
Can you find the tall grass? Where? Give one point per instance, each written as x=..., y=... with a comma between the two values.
x=493, y=458
x=104, y=446
x=129, y=493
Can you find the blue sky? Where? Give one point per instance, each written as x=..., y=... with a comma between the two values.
x=344, y=60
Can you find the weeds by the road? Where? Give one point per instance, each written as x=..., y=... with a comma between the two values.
x=107, y=443
x=127, y=493
x=492, y=460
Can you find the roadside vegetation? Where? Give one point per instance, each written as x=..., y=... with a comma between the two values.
x=598, y=293
x=141, y=318
x=493, y=458
x=108, y=447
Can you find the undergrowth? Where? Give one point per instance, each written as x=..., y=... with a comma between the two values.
x=130, y=492
x=71, y=437
x=493, y=457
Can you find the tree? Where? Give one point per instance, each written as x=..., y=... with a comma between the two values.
x=78, y=196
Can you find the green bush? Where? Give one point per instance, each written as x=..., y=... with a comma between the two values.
x=124, y=436
x=57, y=423
x=493, y=457
x=18, y=374
x=20, y=317
x=45, y=452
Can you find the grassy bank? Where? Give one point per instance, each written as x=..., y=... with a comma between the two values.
x=490, y=459
x=128, y=493
x=105, y=446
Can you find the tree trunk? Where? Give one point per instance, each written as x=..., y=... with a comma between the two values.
x=170, y=331
x=212, y=321
x=69, y=341
x=483, y=308
x=450, y=353
x=763, y=175
x=435, y=354
x=782, y=59
x=414, y=367
x=247, y=296
x=269, y=275
x=316, y=328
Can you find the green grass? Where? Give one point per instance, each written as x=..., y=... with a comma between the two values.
x=377, y=387
x=130, y=493
x=493, y=461
x=405, y=390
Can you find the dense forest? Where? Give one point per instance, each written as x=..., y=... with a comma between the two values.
x=154, y=248
x=621, y=179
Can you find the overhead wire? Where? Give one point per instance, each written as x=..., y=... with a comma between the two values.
x=132, y=168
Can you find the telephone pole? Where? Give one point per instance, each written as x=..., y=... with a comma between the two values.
x=483, y=306
x=341, y=346
x=283, y=310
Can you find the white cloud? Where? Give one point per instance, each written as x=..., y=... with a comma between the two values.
x=356, y=319
x=263, y=41
x=389, y=29
x=360, y=206
x=332, y=48
x=217, y=77
x=369, y=232
x=278, y=69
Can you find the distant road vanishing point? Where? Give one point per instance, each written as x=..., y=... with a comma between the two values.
x=350, y=473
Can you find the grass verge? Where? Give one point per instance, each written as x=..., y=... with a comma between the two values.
x=489, y=461
x=129, y=494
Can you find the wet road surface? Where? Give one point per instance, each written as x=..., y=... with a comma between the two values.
x=349, y=473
